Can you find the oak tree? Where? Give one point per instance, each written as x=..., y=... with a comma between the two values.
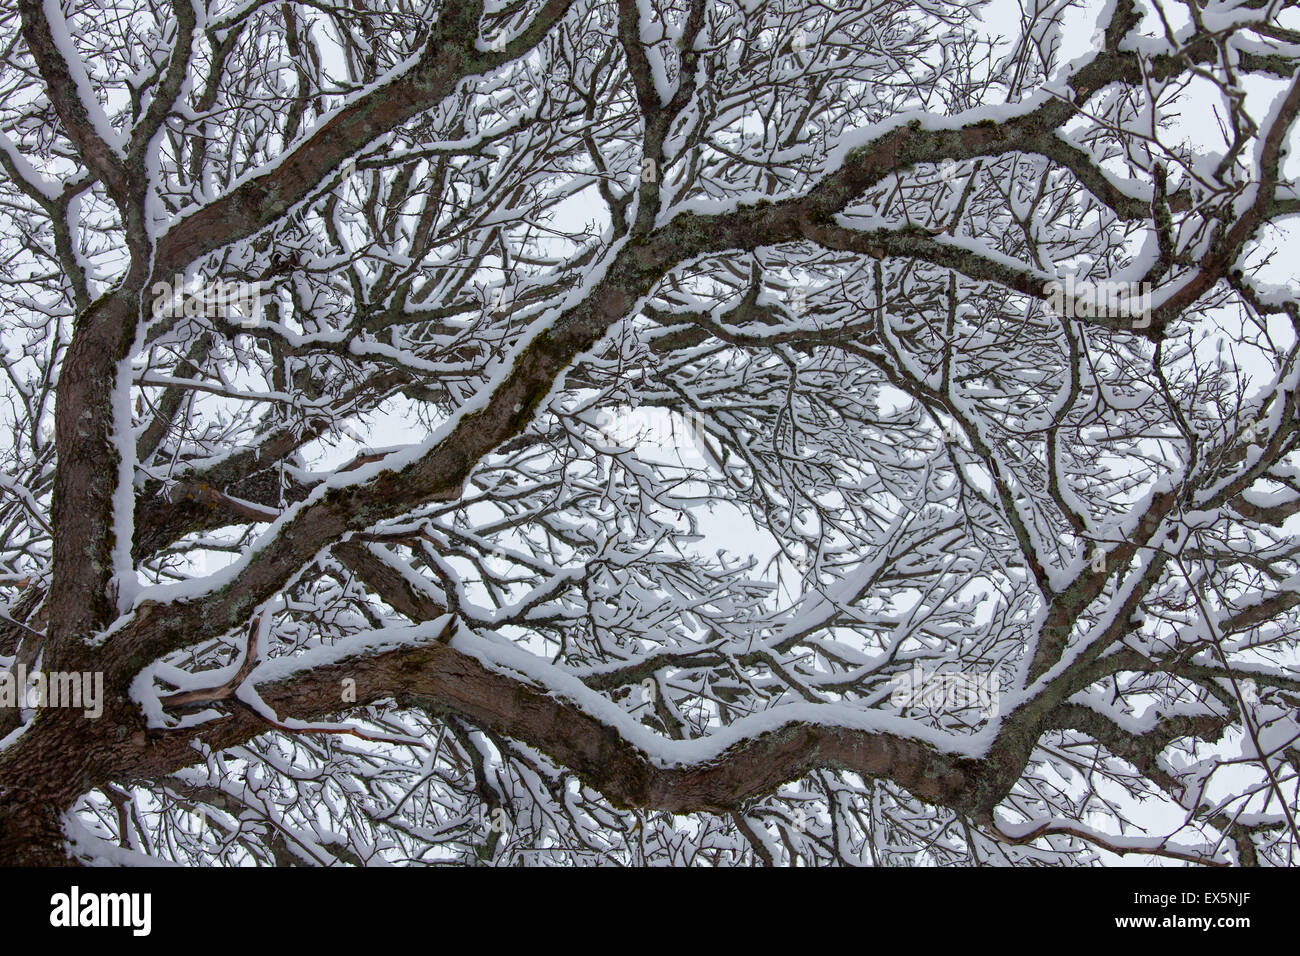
x=712, y=432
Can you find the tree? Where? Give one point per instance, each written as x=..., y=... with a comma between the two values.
x=643, y=431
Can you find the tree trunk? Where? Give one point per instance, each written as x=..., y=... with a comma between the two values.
x=31, y=832
x=41, y=776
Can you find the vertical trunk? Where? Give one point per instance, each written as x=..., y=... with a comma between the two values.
x=43, y=773
x=60, y=757
x=31, y=832
x=81, y=599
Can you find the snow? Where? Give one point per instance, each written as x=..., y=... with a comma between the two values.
x=96, y=849
x=123, y=439
x=85, y=92
x=653, y=45
x=26, y=172
x=663, y=752
x=575, y=555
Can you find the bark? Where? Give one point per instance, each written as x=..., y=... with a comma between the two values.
x=63, y=755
